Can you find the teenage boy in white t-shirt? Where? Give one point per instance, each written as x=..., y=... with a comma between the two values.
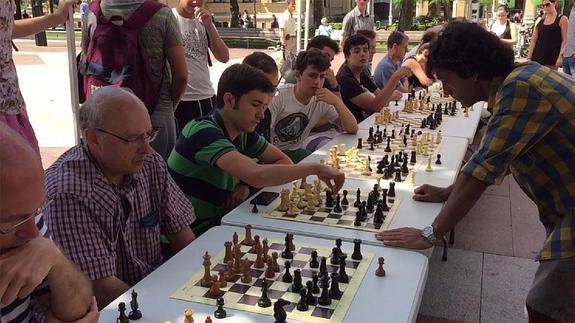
x=297, y=108
x=198, y=34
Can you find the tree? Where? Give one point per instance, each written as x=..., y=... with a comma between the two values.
x=443, y=5
x=406, y=13
x=318, y=12
x=235, y=14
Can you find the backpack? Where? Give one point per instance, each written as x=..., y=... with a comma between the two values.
x=116, y=57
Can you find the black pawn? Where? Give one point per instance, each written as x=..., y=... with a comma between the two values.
x=287, y=277
x=255, y=208
x=391, y=192
x=287, y=253
x=324, y=298
x=323, y=266
x=378, y=216
x=344, y=201
x=122, y=318
x=315, y=280
x=343, y=277
x=264, y=300
x=396, y=104
x=337, y=206
x=370, y=199
x=359, y=143
x=338, y=246
x=438, y=161
x=384, y=206
x=302, y=304
x=334, y=260
x=357, y=202
x=220, y=312
x=388, y=147
x=413, y=159
x=370, y=135
x=328, y=199
x=371, y=147
x=356, y=250
x=392, y=133
x=309, y=298
x=313, y=262
x=135, y=314
x=357, y=221
x=398, y=176
x=334, y=291
x=297, y=285
x=404, y=168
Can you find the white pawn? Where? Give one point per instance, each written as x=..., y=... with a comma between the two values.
x=429, y=169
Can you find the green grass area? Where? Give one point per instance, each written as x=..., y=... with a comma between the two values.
x=60, y=35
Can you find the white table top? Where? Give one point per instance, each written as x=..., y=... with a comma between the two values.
x=397, y=295
x=460, y=126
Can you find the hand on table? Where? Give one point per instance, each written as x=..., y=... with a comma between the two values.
x=430, y=193
x=410, y=238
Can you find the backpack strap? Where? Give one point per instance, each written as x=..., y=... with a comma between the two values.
x=95, y=8
x=144, y=12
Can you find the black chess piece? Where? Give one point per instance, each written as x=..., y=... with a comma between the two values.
x=396, y=103
x=328, y=199
x=264, y=300
x=344, y=201
x=404, y=168
x=313, y=262
x=380, y=167
x=378, y=216
x=337, y=207
x=135, y=314
x=388, y=147
x=357, y=202
x=343, y=277
x=338, y=242
x=375, y=192
x=391, y=192
x=279, y=312
x=359, y=143
x=334, y=260
x=302, y=304
x=324, y=298
x=413, y=158
x=323, y=266
x=220, y=312
x=315, y=280
x=255, y=208
x=122, y=318
x=357, y=221
x=398, y=178
x=371, y=147
x=287, y=277
x=423, y=123
x=370, y=201
x=334, y=291
x=287, y=253
x=356, y=250
x=392, y=133
x=309, y=298
x=438, y=161
x=370, y=135
x=297, y=285
x=383, y=200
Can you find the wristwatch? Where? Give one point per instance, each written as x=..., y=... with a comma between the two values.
x=427, y=233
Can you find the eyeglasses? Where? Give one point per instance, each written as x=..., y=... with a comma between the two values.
x=545, y=5
x=148, y=136
x=7, y=227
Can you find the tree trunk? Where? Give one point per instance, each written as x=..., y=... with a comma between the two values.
x=318, y=12
x=18, y=9
x=235, y=14
x=406, y=13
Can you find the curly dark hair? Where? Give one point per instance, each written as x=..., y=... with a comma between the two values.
x=321, y=41
x=468, y=49
x=312, y=57
x=261, y=61
x=353, y=41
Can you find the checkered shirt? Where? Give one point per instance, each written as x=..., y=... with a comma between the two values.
x=108, y=230
x=532, y=136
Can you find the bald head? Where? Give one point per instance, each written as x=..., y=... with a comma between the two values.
x=21, y=172
x=105, y=104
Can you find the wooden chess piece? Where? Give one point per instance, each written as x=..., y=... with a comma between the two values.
x=265, y=250
x=237, y=259
x=228, y=254
x=135, y=314
x=276, y=266
x=429, y=169
x=247, y=272
x=248, y=240
x=230, y=274
x=188, y=316
x=235, y=238
x=207, y=279
x=208, y=319
x=215, y=287
x=122, y=318
x=222, y=278
x=259, y=259
x=380, y=272
x=269, y=273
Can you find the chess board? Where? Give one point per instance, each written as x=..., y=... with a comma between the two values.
x=244, y=296
x=326, y=216
x=413, y=119
x=397, y=145
x=356, y=168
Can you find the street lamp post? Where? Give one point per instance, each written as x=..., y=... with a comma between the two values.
x=255, y=14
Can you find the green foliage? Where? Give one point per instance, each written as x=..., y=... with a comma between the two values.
x=336, y=25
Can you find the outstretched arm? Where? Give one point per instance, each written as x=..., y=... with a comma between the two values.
x=25, y=27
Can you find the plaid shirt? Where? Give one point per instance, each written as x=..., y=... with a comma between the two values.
x=532, y=135
x=108, y=230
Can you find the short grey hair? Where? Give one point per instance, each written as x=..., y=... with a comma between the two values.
x=91, y=114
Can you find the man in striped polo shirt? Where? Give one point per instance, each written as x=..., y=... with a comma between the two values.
x=37, y=282
x=531, y=135
x=214, y=158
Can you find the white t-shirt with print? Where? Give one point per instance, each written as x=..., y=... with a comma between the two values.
x=292, y=121
x=195, y=40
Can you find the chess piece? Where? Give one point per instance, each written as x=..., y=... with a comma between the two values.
x=259, y=259
x=270, y=273
x=370, y=135
x=284, y=201
x=344, y=201
x=207, y=278
x=438, y=161
x=343, y=277
x=359, y=143
x=222, y=278
x=315, y=280
x=313, y=262
x=228, y=254
x=371, y=146
x=237, y=259
x=188, y=316
x=338, y=242
x=388, y=146
x=276, y=267
x=357, y=202
x=230, y=274
x=255, y=207
x=264, y=300
x=279, y=312
x=247, y=272
x=302, y=304
x=428, y=168
x=297, y=283
x=220, y=312
x=248, y=240
x=310, y=299
x=404, y=168
x=135, y=314
x=398, y=178
x=413, y=158
x=380, y=272
x=324, y=298
x=411, y=178
x=391, y=191
x=378, y=216
x=337, y=208
x=293, y=210
x=208, y=319
x=323, y=266
x=334, y=291
x=215, y=287
x=328, y=199
x=356, y=250
x=287, y=277
x=287, y=254
x=235, y=238
x=122, y=318
x=303, y=183
x=257, y=245
x=265, y=250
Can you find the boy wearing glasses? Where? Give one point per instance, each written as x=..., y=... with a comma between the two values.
x=33, y=271
x=113, y=196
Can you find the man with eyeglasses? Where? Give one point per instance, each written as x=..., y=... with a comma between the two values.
x=396, y=48
x=113, y=197
x=37, y=282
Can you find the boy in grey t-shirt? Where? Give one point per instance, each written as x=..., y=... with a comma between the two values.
x=298, y=108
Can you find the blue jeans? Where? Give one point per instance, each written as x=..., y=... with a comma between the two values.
x=569, y=65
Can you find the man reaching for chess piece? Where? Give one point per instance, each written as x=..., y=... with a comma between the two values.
x=529, y=135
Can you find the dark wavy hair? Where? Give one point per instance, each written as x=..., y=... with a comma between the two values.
x=239, y=79
x=312, y=57
x=353, y=41
x=261, y=61
x=321, y=41
x=468, y=49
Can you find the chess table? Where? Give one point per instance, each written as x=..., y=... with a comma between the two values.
x=398, y=294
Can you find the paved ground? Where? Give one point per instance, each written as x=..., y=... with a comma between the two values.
x=490, y=267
